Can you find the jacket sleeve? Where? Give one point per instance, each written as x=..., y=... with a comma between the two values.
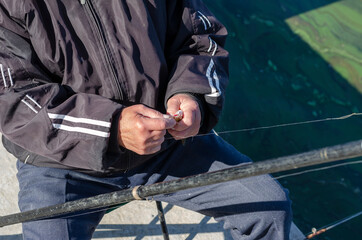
x=198, y=62
x=41, y=115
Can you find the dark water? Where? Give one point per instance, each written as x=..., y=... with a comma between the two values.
x=294, y=61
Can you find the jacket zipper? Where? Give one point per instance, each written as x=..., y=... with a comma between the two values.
x=102, y=37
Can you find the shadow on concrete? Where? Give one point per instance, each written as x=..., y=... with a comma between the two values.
x=140, y=231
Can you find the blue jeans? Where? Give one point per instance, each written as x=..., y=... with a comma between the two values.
x=251, y=208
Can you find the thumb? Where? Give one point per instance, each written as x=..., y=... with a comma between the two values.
x=149, y=112
x=158, y=124
x=155, y=120
x=173, y=105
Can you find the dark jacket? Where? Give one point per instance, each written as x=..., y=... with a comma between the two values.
x=68, y=68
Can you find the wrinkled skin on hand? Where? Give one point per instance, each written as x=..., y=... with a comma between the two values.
x=190, y=124
x=142, y=129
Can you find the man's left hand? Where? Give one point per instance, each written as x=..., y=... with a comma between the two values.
x=190, y=124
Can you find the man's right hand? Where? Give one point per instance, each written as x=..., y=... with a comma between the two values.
x=142, y=129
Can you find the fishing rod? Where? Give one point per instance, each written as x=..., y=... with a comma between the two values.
x=324, y=155
x=316, y=232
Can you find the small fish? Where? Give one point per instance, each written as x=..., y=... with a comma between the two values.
x=178, y=116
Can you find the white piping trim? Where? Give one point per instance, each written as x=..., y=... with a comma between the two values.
x=216, y=46
x=215, y=91
x=208, y=21
x=81, y=130
x=31, y=99
x=29, y=106
x=26, y=159
x=3, y=75
x=217, y=81
x=211, y=44
x=208, y=75
x=11, y=79
x=215, y=94
x=209, y=68
x=203, y=21
x=79, y=120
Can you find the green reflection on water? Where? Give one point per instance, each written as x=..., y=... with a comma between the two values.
x=295, y=61
x=335, y=33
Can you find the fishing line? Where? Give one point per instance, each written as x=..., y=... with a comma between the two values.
x=280, y=125
x=288, y=124
x=318, y=169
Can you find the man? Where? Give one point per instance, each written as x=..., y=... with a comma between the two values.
x=86, y=92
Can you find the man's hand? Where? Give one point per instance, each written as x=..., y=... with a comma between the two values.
x=142, y=129
x=190, y=124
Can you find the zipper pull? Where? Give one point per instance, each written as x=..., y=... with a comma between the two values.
x=82, y=2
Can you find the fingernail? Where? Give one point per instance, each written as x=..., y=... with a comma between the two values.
x=166, y=116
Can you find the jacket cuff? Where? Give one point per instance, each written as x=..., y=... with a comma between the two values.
x=113, y=146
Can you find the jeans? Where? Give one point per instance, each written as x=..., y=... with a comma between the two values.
x=251, y=208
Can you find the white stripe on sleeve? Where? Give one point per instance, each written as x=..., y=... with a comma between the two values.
x=215, y=91
x=10, y=77
x=202, y=15
x=3, y=75
x=32, y=99
x=79, y=120
x=29, y=106
x=81, y=130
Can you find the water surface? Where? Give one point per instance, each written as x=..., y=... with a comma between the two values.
x=294, y=61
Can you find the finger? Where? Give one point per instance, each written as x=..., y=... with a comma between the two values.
x=154, y=145
x=173, y=105
x=157, y=135
x=183, y=134
x=148, y=147
x=158, y=124
x=187, y=121
x=154, y=120
x=175, y=134
x=154, y=150
x=148, y=112
x=180, y=126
